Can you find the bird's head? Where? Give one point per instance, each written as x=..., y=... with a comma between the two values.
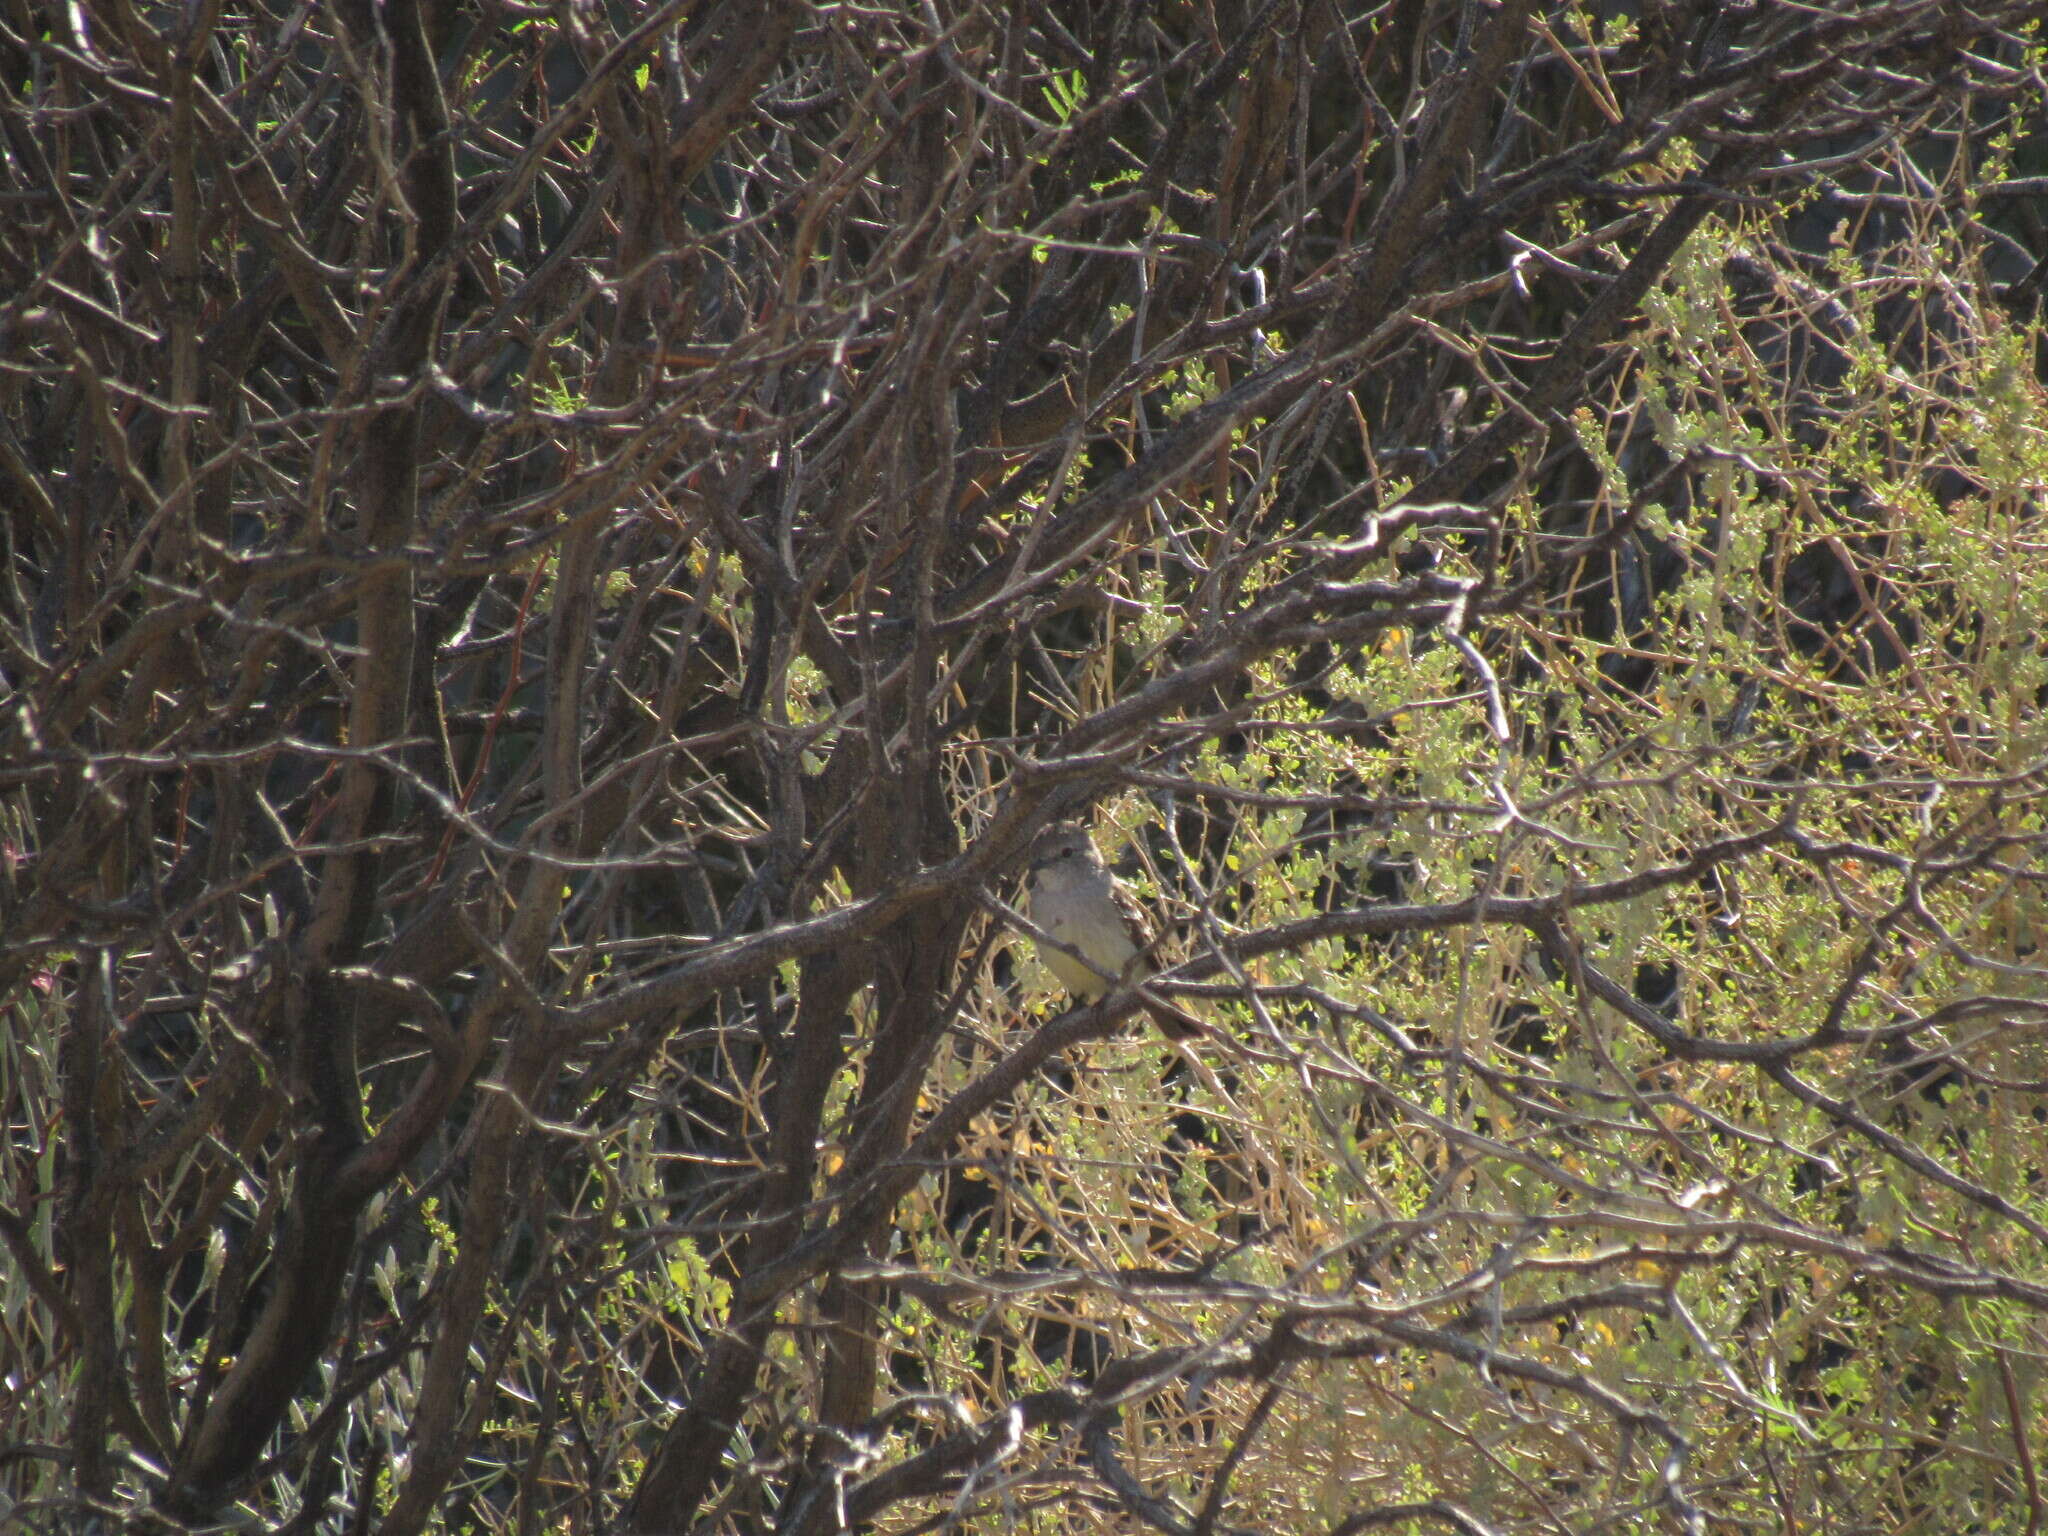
x=1062, y=841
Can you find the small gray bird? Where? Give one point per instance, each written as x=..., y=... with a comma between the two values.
x=1076, y=900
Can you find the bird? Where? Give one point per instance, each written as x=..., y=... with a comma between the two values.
x=1078, y=902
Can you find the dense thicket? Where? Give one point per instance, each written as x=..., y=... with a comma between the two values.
x=556, y=557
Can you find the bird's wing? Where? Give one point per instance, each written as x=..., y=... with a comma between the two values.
x=1175, y=1022
x=1143, y=934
